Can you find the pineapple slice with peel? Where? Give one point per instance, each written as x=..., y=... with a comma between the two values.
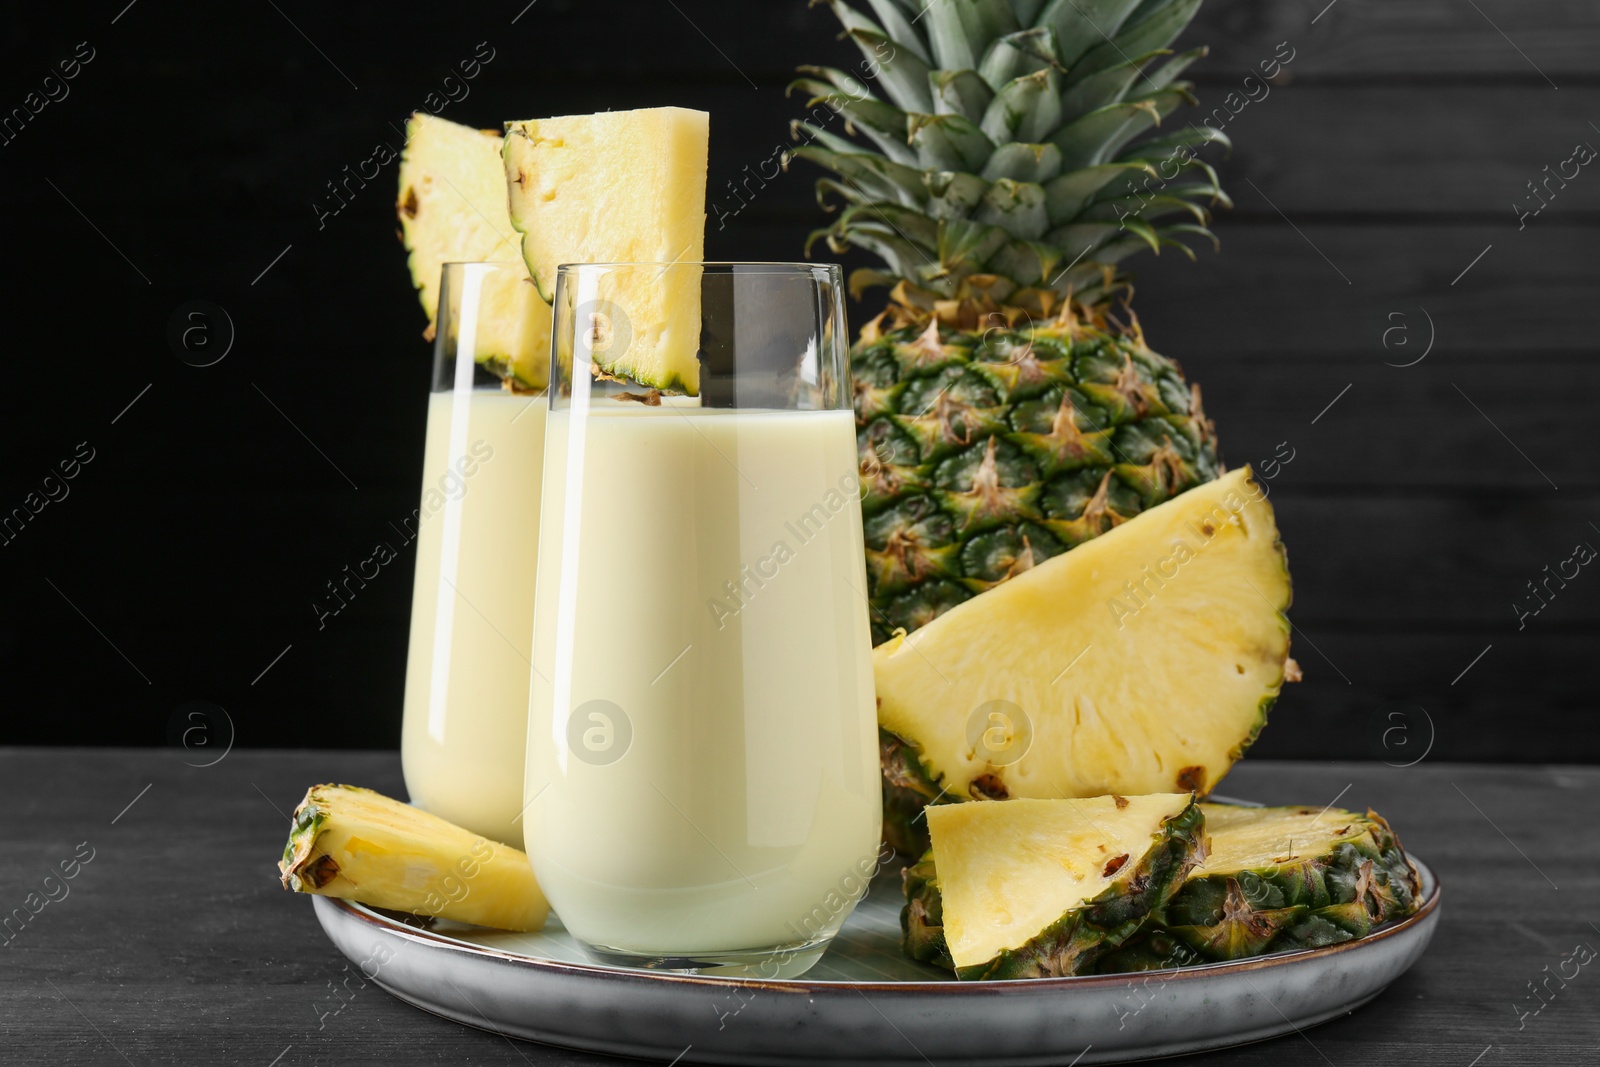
x=1277, y=879
x=361, y=845
x=620, y=187
x=1142, y=661
x=1044, y=888
x=452, y=209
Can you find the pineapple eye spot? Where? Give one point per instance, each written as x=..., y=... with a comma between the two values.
x=1239, y=667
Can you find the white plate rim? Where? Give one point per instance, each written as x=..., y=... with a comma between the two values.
x=947, y=987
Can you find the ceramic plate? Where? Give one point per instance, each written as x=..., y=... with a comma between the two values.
x=864, y=1004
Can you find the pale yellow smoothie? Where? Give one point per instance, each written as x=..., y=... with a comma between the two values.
x=466, y=703
x=702, y=754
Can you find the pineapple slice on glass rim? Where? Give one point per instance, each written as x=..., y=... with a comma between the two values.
x=452, y=209
x=622, y=187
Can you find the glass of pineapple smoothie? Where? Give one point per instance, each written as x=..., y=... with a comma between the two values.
x=702, y=783
x=477, y=535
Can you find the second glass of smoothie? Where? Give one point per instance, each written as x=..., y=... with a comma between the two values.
x=477, y=537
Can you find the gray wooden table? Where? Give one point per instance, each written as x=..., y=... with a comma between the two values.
x=172, y=942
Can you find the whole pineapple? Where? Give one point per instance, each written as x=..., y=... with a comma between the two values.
x=1007, y=411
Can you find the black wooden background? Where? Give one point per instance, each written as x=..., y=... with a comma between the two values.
x=1377, y=186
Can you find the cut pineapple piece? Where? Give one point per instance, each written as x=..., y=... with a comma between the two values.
x=1043, y=888
x=452, y=209
x=620, y=187
x=1278, y=879
x=361, y=845
x=1141, y=661
x=452, y=203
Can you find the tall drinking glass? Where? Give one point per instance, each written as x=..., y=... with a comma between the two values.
x=477, y=534
x=702, y=784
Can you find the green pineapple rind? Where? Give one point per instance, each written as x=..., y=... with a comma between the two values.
x=985, y=453
x=504, y=368
x=309, y=817
x=1358, y=884
x=1075, y=942
x=908, y=788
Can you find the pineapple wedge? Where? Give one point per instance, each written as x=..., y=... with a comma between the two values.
x=452, y=209
x=1142, y=661
x=1044, y=888
x=1277, y=879
x=620, y=187
x=361, y=845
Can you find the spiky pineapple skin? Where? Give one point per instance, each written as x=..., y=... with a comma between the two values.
x=1075, y=943
x=1322, y=900
x=986, y=452
x=908, y=788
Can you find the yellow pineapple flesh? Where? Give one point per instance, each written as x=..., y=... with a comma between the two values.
x=452, y=209
x=361, y=845
x=1142, y=661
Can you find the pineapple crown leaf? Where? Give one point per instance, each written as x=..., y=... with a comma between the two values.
x=1004, y=139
